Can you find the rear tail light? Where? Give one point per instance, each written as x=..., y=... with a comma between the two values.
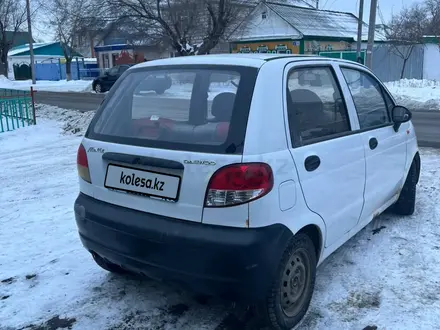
x=238, y=184
x=83, y=164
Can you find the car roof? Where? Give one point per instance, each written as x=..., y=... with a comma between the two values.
x=252, y=60
x=241, y=59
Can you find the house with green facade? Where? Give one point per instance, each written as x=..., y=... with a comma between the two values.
x=284, y=28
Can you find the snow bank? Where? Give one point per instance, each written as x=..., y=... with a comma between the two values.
x=45, y=85
x=73, y=122
x=416, y=94
x=4, y=80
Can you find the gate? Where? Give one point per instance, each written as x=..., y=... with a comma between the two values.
x=22, y=71
x=17, y=109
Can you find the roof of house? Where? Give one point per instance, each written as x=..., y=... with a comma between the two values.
x=299, y=3
x=303, y=21
x=25, y=48
x=321, y=23
x=52, y=49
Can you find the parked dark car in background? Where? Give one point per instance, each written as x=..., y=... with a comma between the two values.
x=104, y=82
x=157, y=83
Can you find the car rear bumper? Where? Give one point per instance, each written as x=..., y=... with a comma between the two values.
x=234, y=263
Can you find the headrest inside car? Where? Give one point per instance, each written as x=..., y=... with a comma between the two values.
x=222, y=106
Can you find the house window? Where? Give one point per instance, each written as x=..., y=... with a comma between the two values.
x=264, y=15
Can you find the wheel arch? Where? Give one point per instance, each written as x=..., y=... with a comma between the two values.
x=315, y=234
x=418, y=163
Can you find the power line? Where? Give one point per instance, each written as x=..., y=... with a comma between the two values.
x=382, y=20
x=332, y=4
x=325, y=4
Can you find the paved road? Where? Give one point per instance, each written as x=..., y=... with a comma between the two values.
x=427, y=123
x=70, y=100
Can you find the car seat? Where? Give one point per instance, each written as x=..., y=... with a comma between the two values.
x=222, y=107
x=308, y=108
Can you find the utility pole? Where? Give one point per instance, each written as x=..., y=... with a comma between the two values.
x=317, y=4
x=31, y=46
x=360, y=26
x=371, y=31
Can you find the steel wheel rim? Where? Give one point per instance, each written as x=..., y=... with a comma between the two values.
x=98, y=88
x=294, y=283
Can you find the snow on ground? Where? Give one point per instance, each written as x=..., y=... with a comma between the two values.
x=387, y=276
x=45, y=85
x=73, y=121
x=416, y=94
x=8, y=123
x=4, y=123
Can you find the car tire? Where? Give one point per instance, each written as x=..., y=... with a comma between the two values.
x=406, y=203
x=108, y=266
x=160, y=91
x=98, y=88
x=292, y=289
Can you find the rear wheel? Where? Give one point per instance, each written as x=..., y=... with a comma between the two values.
x=406, y=203
x=108, y=266
x=293, y=287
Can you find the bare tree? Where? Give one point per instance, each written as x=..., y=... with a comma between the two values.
x=406, y=31
x=433, y=11
x=191, y=27
x=409, y=25
x=12, y=18
x=68, y=18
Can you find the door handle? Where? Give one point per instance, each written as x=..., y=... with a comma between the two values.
x=312, y=163
x=373, y=143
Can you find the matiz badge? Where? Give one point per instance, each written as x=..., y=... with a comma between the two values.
x=93, y=149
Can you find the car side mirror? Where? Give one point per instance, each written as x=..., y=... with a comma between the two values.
x=400, y=115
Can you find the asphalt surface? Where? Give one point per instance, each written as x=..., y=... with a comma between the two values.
x=70, y=100
x=427, y=123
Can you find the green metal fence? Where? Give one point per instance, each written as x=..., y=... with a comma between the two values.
x=16, y=109
x=345, y=55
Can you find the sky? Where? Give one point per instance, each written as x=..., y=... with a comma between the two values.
x=387, y=7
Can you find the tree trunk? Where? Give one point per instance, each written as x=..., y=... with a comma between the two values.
x=4, y=64
x=4, y=69
x=68, y=69
x=402, y=73
x=405, y=60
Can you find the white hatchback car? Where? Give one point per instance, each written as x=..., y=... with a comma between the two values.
x=244, y=175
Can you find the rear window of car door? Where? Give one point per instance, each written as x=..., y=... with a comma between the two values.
x=368, y=98
x=315, y=107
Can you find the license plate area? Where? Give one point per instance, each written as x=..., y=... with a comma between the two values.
x=142, y=182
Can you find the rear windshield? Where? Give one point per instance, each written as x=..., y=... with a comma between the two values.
x=194, y=108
